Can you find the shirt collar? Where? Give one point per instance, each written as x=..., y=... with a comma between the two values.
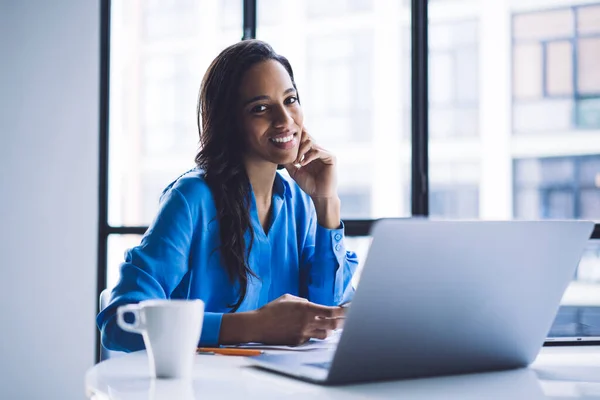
x=281, y=186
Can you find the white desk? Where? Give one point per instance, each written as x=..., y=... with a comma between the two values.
x=558, y=373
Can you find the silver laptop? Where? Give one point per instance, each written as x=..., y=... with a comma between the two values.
x=446, y=297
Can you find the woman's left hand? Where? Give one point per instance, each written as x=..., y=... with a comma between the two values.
x=314, y=169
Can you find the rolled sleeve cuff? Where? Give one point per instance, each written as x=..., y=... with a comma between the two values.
x=332, y=239
x=211, y=327
x=330, y=253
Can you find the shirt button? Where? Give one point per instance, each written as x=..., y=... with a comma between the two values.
x=338, y=237
x=338, y=247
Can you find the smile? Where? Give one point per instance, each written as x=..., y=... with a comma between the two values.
x=284, y=139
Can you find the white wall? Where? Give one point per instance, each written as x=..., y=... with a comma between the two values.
x=49, y=66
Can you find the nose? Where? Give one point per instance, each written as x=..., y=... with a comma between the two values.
x=282, y=118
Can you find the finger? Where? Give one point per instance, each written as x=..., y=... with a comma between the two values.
x=291, y=297
x=304, y=148
x=321, y=334
x=318, y=310
x=312, y=155
x=327, y=323
x=288, y=296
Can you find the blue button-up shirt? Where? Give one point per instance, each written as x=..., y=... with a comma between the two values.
x=179, y=258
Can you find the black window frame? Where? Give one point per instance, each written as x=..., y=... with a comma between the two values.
x=354, y=227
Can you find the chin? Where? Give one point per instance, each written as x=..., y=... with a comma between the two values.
x=283, y=160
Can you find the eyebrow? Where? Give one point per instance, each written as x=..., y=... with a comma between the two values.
x=264, y=97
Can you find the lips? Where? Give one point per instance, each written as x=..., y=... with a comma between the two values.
x=284, y=141
x=283, y=135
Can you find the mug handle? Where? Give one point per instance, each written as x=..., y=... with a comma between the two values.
x=137, y=326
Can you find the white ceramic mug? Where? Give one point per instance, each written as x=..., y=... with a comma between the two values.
x=171, y=331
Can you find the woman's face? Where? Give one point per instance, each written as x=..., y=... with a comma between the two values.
x=271, y=118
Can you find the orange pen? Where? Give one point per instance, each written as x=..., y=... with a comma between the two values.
x=228, y=351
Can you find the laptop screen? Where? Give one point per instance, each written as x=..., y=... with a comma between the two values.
x=575, y=323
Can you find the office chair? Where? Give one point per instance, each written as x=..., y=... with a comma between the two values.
x=105, y=354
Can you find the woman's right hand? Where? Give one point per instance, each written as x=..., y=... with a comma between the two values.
x=291, y=320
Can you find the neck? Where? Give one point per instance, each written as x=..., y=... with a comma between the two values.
x=261, y=175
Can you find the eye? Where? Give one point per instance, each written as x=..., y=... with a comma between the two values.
x=291, y=100
x=258, y=109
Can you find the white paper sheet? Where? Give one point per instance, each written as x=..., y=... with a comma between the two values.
x=312, y=344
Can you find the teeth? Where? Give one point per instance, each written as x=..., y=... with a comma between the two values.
x=283, y=139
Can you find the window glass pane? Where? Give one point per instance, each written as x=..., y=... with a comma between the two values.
x=527, y=204
x=543, y=24
x=528, y=172
x=340, y=96
x=557, y=171
x=588, y=19
x=590, y=203
x=230, y=15
x=454, y=94
x=439, y=37
x=116, y=247
x=355, y=201
x=454, y=190
x=589, y=66
x=318, y=8
x=560, y=204
x=468, y=118
x=159, y=52
x=441, y=84
x=559, y=188
x=268, y=11
x=350, y=62
x=545, y=116
x=585, y=289
x=589, y=172
x=559, y=68
x=441, y=122
x=466, y=33
x=527, y=70
x=169, y=19
x=588, y=113
x=450, y=121
x=447, y=36
x=467, y=75
x=457, y=201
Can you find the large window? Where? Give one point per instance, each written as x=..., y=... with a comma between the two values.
x=513, y=104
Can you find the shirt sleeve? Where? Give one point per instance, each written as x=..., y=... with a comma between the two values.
x=326, y=267
x=153, y=270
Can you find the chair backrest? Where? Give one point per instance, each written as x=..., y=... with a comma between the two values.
x=105, y=354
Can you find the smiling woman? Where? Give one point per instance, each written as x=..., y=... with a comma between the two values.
x=263, y=250
x=272, y=121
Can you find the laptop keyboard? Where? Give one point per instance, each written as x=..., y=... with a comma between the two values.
x=324, y=365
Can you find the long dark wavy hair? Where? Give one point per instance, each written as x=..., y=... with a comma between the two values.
x=222, y=146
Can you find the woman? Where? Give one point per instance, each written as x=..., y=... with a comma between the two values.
x=265, y=252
